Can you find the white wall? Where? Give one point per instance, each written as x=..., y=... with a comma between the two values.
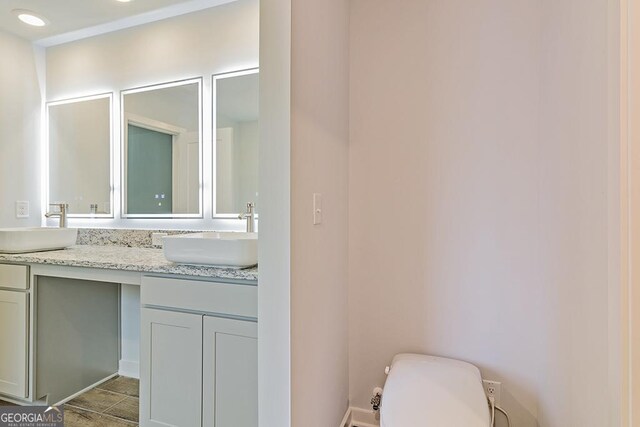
x=237, y=165
x=80, y=155
x=303, y=361
x=129, y=364
x=212, y=41
x=319, y=254
x=176, y=106
x=274, y=251
x=19, y=131
x=573, y=184
x=478, y=197
x=245, y=159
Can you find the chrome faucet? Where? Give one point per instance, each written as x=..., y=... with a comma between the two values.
x=250, y=216
x=62, y=213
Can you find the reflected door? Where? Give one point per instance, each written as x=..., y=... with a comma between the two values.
x=149, y=171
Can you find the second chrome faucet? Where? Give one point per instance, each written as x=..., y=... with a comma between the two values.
x=250, y=216
x=61, y=213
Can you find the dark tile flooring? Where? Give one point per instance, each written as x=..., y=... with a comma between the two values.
x=111, y=404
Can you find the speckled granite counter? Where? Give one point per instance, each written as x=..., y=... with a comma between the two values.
x=128, y=259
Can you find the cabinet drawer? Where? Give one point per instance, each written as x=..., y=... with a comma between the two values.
x=14, y=276
x=207, y=297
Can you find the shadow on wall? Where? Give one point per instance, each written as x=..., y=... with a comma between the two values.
x=519, y=415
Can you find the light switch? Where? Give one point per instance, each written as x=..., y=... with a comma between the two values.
x=317, y=208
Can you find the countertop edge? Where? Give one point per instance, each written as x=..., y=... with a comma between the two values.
x=156, y=263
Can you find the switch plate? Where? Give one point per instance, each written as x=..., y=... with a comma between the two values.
x=156, y=238
x=317, y=208
x=22, y=209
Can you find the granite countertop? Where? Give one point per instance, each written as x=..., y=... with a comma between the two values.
x=129, y=259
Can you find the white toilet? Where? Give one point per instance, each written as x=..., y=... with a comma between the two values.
x=433, y=392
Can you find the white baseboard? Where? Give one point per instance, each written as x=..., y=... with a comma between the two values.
x=22, y=402
x=356, y=417
x=128, y=368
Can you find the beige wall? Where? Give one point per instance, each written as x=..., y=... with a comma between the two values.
x=632, y=126
x=319, y=164
x=618, y=390
x=478, y=197
x=19, y=131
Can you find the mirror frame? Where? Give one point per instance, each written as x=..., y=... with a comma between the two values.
x=46, y=150
x=214, y=139
x=125, y=119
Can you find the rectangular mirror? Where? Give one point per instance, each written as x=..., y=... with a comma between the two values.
x=79, y=155
x=162, y=150
x=236, y=113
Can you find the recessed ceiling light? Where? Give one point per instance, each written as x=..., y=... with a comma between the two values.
x=31, y=18
x=124, y=1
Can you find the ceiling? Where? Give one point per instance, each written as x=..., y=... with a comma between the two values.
x=91, y=17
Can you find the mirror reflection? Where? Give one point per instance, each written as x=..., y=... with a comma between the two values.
x=162, y=150
x=79, y=136
x=237, y=136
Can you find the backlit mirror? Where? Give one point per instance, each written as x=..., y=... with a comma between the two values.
x=162, y=150
x=236, y=148
x=79, y=155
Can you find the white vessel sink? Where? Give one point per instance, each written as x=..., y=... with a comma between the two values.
x=224, y=249
x=36, y=239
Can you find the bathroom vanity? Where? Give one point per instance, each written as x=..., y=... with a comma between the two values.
x=73, y=318
x=140, y=141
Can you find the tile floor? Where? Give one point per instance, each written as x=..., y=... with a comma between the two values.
x=111, y=404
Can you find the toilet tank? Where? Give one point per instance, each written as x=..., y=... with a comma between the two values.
x=433, y=391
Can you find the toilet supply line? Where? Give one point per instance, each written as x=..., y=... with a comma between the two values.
x=492, y=403
x=376, y=400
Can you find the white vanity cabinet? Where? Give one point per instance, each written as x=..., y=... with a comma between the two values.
x=199, y=353
x=171, y=371
x=230, y=373
x=14, y=330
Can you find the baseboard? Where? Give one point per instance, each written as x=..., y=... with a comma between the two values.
x=356, y=417
x=22, y=402
x=128, y=368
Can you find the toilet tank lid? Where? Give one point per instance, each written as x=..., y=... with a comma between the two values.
x=433, y=391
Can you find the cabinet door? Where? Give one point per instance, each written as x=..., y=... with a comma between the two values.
x=230, y=373
x=170, y=369
x=13, y=336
